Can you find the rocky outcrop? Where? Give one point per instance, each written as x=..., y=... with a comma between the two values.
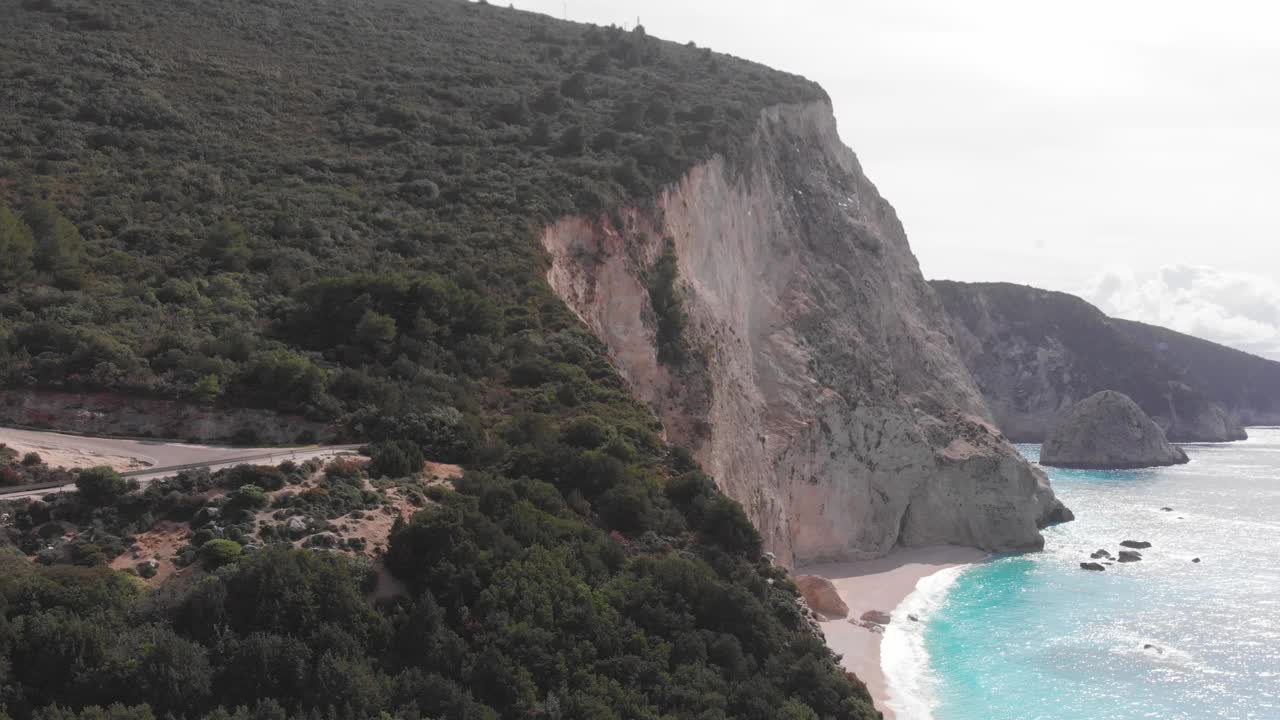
x=111, y=414
x=879, y=617
x=818, y=383
x=1108, y=431
x=1034, y=353
x=821, y=596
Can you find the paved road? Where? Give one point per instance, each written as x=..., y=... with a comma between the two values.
x=155, y=459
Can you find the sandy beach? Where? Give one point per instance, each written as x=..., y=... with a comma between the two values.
x=880, y=584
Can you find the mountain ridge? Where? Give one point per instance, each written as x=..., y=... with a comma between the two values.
x=1035, y=352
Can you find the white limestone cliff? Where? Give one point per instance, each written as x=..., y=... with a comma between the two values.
x=824, y=393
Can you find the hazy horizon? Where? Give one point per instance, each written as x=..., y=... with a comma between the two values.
x=1120, y=153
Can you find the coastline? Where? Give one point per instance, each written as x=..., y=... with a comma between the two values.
x=881, y=584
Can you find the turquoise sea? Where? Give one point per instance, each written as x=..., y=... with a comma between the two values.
x=1034, y=637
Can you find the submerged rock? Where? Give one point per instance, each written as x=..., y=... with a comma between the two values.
x=821, y=595
x=1091, y=566
x=1135, y=544
x=1108, y=431
x=1129, y=556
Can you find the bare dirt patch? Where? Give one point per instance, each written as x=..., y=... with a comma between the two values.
x=161, y=544
x=56, y=454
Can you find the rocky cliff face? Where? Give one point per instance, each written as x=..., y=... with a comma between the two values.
x=820, y=388
x=1246, y=385
x=1035, y=353
x=1108, y=431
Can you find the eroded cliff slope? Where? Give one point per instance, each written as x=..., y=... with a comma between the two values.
x=818, y=384
x=1034, y=353
x=1248, y=386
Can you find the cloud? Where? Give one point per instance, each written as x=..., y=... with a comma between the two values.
x=1235, y=309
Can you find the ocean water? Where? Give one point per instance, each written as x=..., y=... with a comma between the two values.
x=1034, y=637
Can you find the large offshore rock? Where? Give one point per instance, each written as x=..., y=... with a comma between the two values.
x=820, y=387
x=1108, y=431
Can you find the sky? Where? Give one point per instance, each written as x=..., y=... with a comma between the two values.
x=1127, y=152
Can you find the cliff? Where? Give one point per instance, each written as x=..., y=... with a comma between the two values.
x=1035, y=353
x=818, y=384
x=1108, y=431
x=1247, y=386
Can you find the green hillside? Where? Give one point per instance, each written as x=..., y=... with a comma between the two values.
x=331, y=208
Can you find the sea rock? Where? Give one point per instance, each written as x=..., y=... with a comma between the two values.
x=1166, y=509
x=1129, y=556
x=1099, y=554
x=827, y=394
x=913, y=617
x=821, y=595
x=1149, y=646
x=1107, y=431
x=1136, y=544
x=1091, y=566
x=879, y=617
x=1195, y=560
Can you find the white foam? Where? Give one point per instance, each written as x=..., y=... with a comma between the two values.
x=910, y=686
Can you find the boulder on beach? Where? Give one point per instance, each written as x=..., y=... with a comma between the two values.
x=1108, y=431
x=1091, y=566
x=1129, y=556
x=1135, y=544
x=879, y=617
x=821, y=596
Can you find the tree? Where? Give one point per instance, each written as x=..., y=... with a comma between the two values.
x=216, y=553
x=376, y=332
x=249, y=497
x=58, y=245
x=228, y=246
x=17, y=244
x=396, y=459
x=208, y=388
x=101, y=485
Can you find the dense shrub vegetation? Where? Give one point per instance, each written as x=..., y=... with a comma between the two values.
x=332, y=209
x=324, y=209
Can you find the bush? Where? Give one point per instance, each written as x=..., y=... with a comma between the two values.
x=101, y=485
x=32, y=459
x=586, y=432
x=265, y=477
x=216, y=553
x=248, y=497
x=395, y=459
